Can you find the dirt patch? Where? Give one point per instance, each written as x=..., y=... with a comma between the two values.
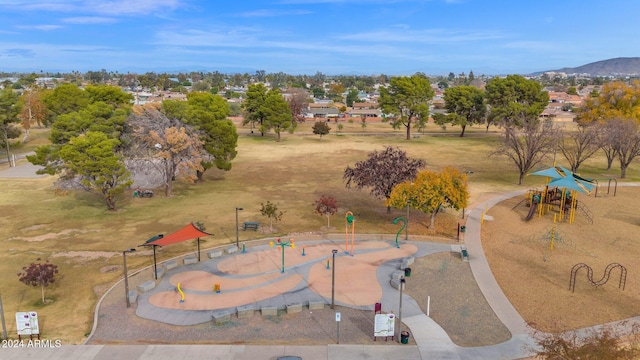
x=48, y=236
x=84, y=256
x=457, y=304
x=532, y=260
x=110, y=269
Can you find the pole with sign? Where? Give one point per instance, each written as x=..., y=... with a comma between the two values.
x=338, y=327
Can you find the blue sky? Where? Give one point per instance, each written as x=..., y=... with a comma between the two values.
x=393, y=37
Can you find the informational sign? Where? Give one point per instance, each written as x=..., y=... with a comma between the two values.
x=338, y=316
x=384, y=325
x=27, y=323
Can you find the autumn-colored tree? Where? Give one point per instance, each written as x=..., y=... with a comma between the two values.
x=321, y=128
x=616, y=100
x=38, y=274
x=92, y=158
x=33, y=111
x=407, y=100
x=430, y=191
x=382, y=171
x=270, y=210
x=170, y=146
x=326, y=206
x=298, y=102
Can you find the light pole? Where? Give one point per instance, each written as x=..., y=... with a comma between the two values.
x=402, y=281
x=4, y=327
x=126, y=277
x=237, y=236
x=333, y=277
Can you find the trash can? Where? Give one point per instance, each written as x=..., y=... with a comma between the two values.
x=404, y=337
x=407, y=272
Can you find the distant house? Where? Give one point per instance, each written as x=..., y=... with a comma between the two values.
x=365, y=109
x=322, y=110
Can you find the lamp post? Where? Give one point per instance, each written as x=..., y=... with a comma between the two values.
x=402, y=281
x=237, y=236
x=333, y=277
x=126, y=277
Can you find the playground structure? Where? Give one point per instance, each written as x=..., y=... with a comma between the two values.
x=351, y=221
x=560, y=194
x=605, y=278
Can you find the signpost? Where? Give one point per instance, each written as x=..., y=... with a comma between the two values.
x=338, y=325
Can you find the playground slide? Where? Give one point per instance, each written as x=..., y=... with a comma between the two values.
x=532, y=211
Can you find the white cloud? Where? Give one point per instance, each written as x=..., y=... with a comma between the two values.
x=89, y=20
x=107, y=7
x=274, y=13
x=43, y=27
x=422, y=36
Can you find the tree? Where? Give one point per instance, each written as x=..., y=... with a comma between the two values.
x=326, y=206
x=430, y=191
x=101, y=171
x=33, y=110
x=298, y=102
x=516, y=104
x=64, y=99
x=38, y=274
x=382, y=171
x=253, y=106
x=321, y=128
x=270, y=210
x=578, y=146
x=352, y=97
x=207, y=113
x=515, y=101
x=9, y=111
x=407, y=99
x=277, y=115
x=603, y=343
x=465, y=106
x=625, y=137
x=527, y=148
x=616, y=100
x=167, y=144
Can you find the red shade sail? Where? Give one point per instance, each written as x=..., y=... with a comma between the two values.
x=188, y=232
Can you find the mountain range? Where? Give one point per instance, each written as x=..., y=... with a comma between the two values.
x=611, y=67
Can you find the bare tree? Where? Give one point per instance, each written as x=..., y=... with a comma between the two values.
x=578, y=146
x=298, y=103
x=608, y=143
x=627, y=142
x=527, y=148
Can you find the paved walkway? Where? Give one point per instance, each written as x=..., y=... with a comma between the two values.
x=431, y=340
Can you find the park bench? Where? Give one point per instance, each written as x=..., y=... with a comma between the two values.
x=250, y=225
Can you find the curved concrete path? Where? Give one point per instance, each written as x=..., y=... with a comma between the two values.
x=432, y=342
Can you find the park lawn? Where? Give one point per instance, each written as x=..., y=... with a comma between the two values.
x=77, y=233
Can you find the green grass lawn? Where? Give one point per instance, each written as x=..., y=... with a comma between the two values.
x=76, y=232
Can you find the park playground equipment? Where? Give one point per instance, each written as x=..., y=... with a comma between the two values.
x=351, y=221
x=560, y=194
x=597, y=283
